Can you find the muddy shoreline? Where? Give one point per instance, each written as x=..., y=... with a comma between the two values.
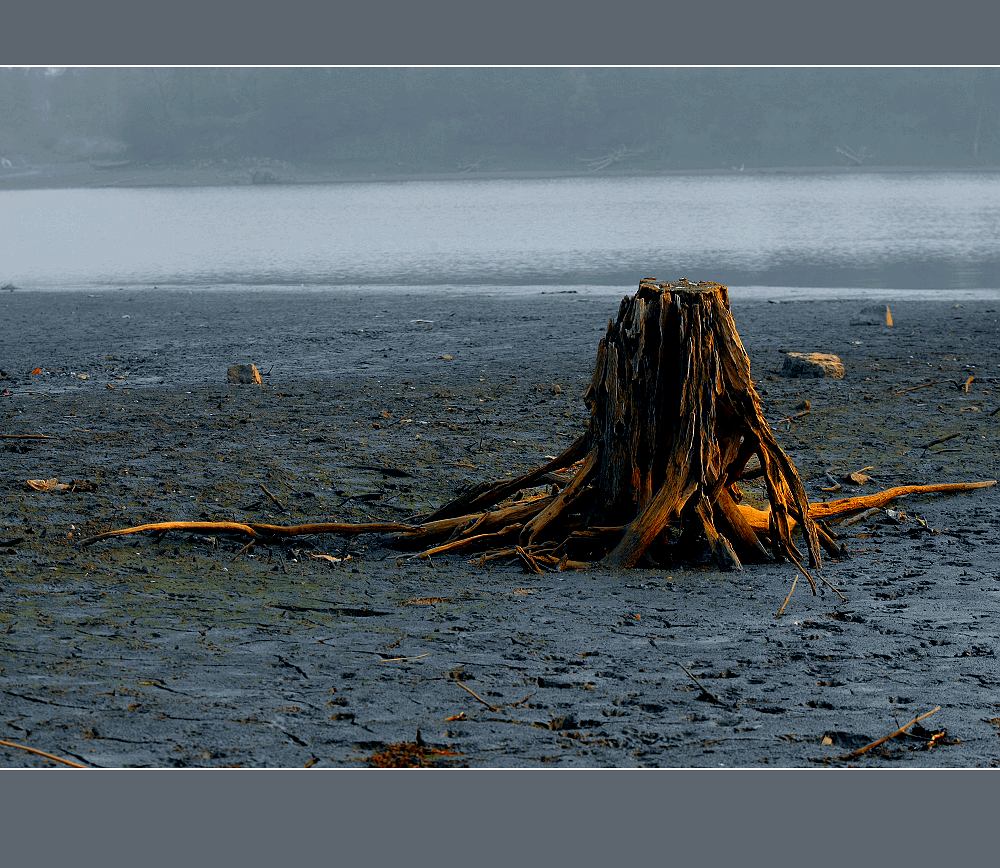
x=186, y=652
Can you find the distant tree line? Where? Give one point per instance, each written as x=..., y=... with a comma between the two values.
x=412, y=120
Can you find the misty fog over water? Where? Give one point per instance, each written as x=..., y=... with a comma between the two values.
x=881, y=231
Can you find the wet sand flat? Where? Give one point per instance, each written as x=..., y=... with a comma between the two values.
x=379, y=404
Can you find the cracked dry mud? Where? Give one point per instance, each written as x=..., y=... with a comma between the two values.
x=185, y=652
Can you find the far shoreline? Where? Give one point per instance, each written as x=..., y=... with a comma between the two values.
x=740, y=294
x=126, y=175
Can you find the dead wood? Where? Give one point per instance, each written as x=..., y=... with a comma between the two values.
x=254, y=531
x=861, y=751
x=943, y=439
x=832, y=508
x=272, y=497
x=926, y=385
x=784, y=605
x=41, y=753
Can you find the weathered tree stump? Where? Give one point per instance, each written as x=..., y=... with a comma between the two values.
x=675, y=420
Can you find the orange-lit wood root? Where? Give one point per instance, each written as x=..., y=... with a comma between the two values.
x=759, y=519
x=253, y=531
x=675, y=424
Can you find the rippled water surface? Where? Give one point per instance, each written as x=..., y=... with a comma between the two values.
x=878, y=231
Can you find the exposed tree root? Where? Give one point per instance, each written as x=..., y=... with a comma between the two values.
x=845, y=505
x=759, y=519
x=253, y=531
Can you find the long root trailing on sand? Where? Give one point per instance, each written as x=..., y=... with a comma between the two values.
x=675, y=426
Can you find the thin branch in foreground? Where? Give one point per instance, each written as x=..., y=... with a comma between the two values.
x=475, y=695
x=901, y=731
x=37, y=752
x=781, y=611
x=273, y=497
x=709, y=696
x=255, y=530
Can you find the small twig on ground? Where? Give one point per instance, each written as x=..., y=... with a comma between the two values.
x=26, y=437
x=941, y=440
x=834, y=483
x=404, y=659
x=244, y=550
x=781, y=611
x=854, y=519
x=384, y=470
x=475, y=695
x=901, y=731
x=273, y=498
x=805, y=411
x=926, y=385
x=711, y=697
x=37, y=752
x=832, y=587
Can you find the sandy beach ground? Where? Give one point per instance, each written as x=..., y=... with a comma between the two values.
x=379, y=404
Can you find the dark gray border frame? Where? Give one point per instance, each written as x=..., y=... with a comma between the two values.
x=563, y=818
x=490, y=32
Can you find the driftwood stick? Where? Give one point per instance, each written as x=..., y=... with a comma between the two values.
x=854, y=754
x=37, y=752
x=926, y=385
x=253, y=531
x=273, y=498
x=938, y=441
x=758, y=518
x=781, y=610
x=705, y=691
x=475, y=695
x=830, y=508
x=858, y=517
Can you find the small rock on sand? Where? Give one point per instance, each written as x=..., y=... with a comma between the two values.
x=244, y=374
x=813, y=365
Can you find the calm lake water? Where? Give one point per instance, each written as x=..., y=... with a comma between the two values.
x=902, y=231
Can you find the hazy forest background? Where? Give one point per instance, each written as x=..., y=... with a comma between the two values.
x=500, y=120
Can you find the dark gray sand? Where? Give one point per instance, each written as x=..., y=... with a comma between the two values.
x=186, y=652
